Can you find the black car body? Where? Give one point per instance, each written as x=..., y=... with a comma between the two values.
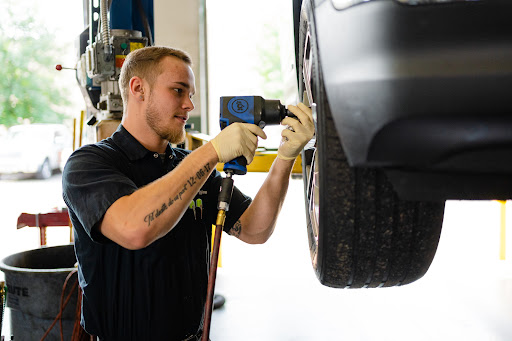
x=423, y=89
x=413, y=107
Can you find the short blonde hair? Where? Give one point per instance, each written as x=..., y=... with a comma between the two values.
x=145, y=63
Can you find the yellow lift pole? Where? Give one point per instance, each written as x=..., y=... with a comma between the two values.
x=503, y=234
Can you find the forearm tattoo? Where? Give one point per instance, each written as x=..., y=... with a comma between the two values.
x=236, y=229
x=192, y=181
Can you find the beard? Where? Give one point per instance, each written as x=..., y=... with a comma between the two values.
x=175, y=135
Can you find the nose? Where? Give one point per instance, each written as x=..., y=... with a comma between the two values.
x=188, y=104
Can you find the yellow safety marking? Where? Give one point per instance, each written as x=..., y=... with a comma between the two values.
x=219, y=263
x=503, y=234
x=135, y=46
x=263, y=161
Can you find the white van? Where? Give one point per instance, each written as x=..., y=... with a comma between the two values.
x=35, y=149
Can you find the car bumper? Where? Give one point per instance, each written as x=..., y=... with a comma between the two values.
x=13, y=166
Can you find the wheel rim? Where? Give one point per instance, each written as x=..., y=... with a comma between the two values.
x=313, y=194
x=313, y=188
x=307, y=67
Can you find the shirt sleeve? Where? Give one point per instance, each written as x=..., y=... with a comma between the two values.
x=92, y=181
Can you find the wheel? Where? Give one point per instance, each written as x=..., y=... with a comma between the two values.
x=45, y=171
x=361, y=234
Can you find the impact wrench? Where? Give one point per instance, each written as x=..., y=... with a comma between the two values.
x=243, y=109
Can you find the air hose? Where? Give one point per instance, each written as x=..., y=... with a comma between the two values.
x=63, y=304
x=2, y=305
x=226, y=191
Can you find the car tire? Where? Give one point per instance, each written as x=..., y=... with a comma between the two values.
x=45, y=171
x=361, y=234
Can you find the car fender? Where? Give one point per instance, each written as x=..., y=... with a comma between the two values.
x=385, y=62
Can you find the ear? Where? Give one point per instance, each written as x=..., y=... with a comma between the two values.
x=137, y=88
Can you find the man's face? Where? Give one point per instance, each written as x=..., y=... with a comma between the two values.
x=170, y=100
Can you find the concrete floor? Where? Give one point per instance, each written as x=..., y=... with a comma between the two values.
x=272, y=293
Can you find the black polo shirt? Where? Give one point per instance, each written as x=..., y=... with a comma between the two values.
x=156, y=293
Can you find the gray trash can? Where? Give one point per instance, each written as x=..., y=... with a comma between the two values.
x=34, y=281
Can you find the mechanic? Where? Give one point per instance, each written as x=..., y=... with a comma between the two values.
x=143, y=211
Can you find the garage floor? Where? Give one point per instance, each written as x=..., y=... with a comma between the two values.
x=272, y=293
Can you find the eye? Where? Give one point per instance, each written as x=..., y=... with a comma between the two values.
x=178, y=90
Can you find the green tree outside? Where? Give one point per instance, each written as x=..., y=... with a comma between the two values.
x=28, y=55
x=269, y=68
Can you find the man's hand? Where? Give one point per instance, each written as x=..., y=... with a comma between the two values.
x=237, y=139
x=303, y=130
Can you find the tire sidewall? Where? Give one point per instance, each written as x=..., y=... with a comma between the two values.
x=307, y=22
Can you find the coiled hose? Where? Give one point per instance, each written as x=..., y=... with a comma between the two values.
x=78, y=333
x=2, y=305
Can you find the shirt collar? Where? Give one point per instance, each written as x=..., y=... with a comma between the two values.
x=133, y=148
